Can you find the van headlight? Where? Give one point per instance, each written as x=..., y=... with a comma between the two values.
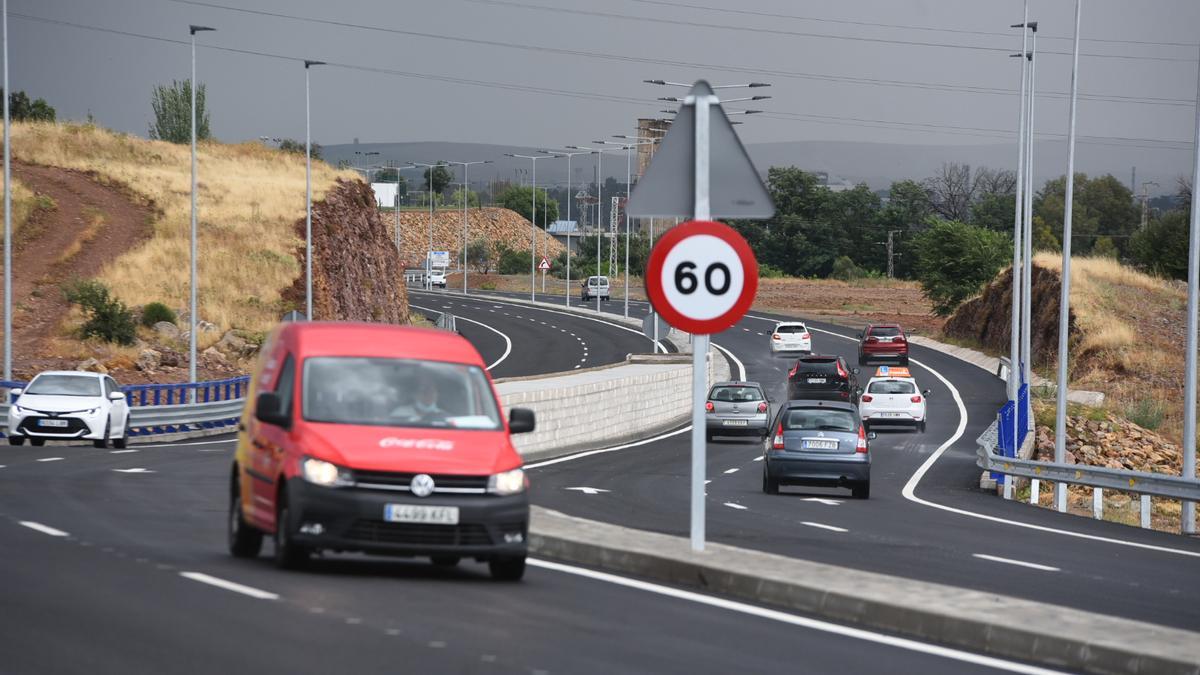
x=327, y=474
x=508, y=483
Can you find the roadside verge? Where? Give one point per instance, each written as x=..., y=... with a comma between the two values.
x=983, y=622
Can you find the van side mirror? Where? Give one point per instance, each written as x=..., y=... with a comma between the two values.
x=521, y=421
x=268, y=407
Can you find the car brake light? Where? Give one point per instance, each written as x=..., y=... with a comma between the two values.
x=804, y=336
x=708, y=406
x=792, y=372
x=898, y=338
x=762, y=407
x=775, y=336
x=916, y=399
x=866, y=398
x=872, y=339
x=862, y=441
x=777, y=442
x=842, y=371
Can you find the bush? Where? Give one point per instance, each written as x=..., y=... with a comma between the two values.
x=766, y=271
x=155, y=312
x=108, y=318
x=513, y=262
x=955, y=260
x=844, y=269
x=1147, y=413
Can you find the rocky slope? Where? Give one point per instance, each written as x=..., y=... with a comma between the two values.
x=496, y=225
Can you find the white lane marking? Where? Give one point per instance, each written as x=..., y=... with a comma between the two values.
x=44, y=529
x=587, y=490
x=741, y=366
x=826, y=502
x=184, y=445
x=739, y=507
x=758, y=459
x=230, y=586
x=507, y=341
x=578, y=366
x=708, y=481
x=1, y=466
x=795, y=620
x=138, y=470
x=120, y=452
x=823, y=526
x=589, y=453
x=1019, y=563
x=50, y=459
x=734, y=470
x=762, y=333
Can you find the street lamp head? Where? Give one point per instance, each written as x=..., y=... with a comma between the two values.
x=654, y=81
x=198, y=29
x=308, y=63
x=671, y=99
x=758, y=84
x=759, y=98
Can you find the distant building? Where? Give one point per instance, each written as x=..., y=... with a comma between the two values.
x=560, y=229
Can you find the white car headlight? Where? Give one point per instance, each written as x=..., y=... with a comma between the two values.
x=508, y=483
x=320, y=472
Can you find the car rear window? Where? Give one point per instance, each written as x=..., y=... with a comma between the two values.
x=736, y=394
x=818, y=419
x=820, y=366
x=398, y=393
x=791, y=329
x=64, y=385
x=885, y=331
x=892, y=387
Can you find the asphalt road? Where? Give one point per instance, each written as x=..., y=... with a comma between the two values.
x=947, y=531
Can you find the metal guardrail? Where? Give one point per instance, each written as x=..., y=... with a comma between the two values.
x=1157, y=484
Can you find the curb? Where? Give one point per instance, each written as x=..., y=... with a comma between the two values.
x=984, y=622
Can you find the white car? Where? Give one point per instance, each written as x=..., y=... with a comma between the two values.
x=791, y=336
x=892, y=397
x=437, y=277
x=69, y=405
x=592, y=287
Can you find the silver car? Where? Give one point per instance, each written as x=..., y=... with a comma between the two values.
x=822, y=443
x=736, y=409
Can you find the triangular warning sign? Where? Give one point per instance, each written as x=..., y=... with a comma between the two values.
x=667, y=189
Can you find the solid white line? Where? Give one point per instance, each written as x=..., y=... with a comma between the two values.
x=758, y=459
x=734, y=470
x=184, y=445
x=50, y=459
x=44, y=529
x=507, y=342
x=822, y=526
x=120, y=452
x=795, y=620
x=735, y=506
x=1020, y=563
x=741, y=366
x=589, y=453
x=230, y=586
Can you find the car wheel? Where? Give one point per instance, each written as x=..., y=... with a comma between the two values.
x=102, y=442
x=862, y=360
x=445, y=560
x=769, y=485
x=244, y=540
x=120, y=443
x=16, y=440
x=921, y=427
x=507, y=568
x=288, y=554
x=862, y=490
x=37, y=442
x=904, y=360
x=708, y=437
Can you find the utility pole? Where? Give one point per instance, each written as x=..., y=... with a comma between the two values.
x=1146, y=201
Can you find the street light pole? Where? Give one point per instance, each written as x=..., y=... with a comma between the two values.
x=429, y=253
x=1018, y=276
x=466, y=183
x=1064, y=302
x=308, y=251
x=7, y=213
x=193, y=309
x=1027, y=293
x=532, y=220
x=1188, y=514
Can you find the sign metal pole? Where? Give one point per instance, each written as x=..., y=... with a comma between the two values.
x=701, y=211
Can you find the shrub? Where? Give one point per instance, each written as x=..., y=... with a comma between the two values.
x=1147, y=413
x=155, y=312
x=766, y=271
x=844, y=269
x=955, y=260
x=488, y=286
x=108, y=318
x=513, y=262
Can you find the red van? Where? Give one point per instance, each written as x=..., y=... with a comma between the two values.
x=378, y=439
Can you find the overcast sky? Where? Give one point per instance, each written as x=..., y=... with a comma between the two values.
x=955, y=69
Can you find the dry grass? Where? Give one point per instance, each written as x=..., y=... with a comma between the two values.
x=24, y=203
x=86, y=235
x=249, y=198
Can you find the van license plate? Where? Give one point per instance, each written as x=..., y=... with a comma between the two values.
x=820, y=445
x=52, y=423
x=816, y=380
x=411, y=513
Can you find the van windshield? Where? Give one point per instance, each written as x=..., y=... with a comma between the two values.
x=398, y=393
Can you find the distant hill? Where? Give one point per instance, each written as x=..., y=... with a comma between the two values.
x=877, y=164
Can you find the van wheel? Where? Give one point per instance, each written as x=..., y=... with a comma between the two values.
x=288, y=554
x=244, y=540
x=16, y=440
x=507, y=568
x=862, y=490
x=445, y=560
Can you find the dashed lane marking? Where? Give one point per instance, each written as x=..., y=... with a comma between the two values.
x=733, y=470
x=739, y=507
x=50, y=459
x=44, y=529
x=1018, y=563
x=230, y=586
x=120, y=452
x=822, y=526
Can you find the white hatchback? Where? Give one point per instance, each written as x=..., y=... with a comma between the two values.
x=892, y=397
x=69, y=405
x=791, y=336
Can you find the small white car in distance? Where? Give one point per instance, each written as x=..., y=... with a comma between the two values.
x=69, y=405
x=892, y=397
x=791, y=336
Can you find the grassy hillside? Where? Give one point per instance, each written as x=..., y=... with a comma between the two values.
x=24, y=205
x=250, y=197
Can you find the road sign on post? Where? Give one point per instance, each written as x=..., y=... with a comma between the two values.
x=702, y=275
x=544, y=265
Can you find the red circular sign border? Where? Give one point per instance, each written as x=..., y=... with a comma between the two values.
x=658, y=256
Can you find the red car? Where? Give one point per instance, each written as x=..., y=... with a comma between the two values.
x=380, y=439
x=883, y=341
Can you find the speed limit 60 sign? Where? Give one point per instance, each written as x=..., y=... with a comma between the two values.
x=702, y=277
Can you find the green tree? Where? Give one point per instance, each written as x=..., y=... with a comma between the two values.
x=479, y=254
x=441, y=177
x=1161, y=248
x=288, y=144
x=172, y=106
x=457, y=198
x=955, y=260
x=844, y=269
x=906, y=212
x=1043, y=237
x=511, y=261
x=1105, y=248
x=994, y=211
x=107, y=318
x=518, y=197
x=23, y=109
x=1103, y=206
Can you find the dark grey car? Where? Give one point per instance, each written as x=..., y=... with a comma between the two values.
x=736, y=409
x=821, y=443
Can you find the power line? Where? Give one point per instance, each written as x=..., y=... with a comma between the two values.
x=871, y=24
x=591, y=96
x=789, y=33
x=933, y=86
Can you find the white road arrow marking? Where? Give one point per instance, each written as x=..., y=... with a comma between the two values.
x=139, y=470
x=826, y=502
x=587, y=490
